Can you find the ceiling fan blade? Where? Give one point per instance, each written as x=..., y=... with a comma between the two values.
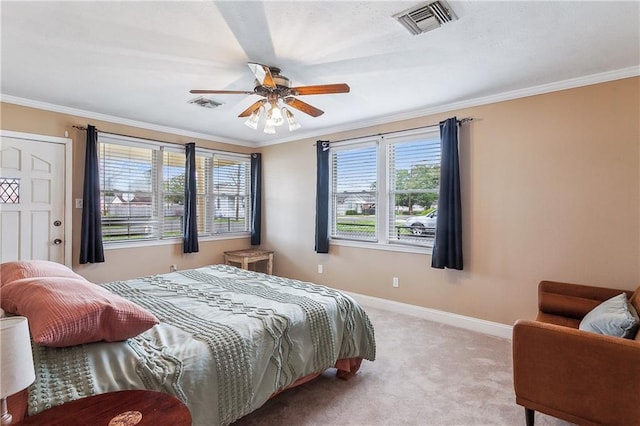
x=303, y=106
x=263, y=74
x=247, y=112
x=320, y=89
x=221, y=92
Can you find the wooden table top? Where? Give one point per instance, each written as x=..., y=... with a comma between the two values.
x=248, y=252
x=122, y=408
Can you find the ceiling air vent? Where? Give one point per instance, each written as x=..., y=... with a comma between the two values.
x=205, y=102
x=425, y=17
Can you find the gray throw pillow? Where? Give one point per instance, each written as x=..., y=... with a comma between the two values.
x=614, y=317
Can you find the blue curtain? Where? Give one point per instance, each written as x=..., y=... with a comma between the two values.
x=322, y=197
x=91, y=250
x=190, y=231
x=447, y=249
x=256, y=198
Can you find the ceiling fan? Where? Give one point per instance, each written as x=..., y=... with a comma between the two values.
x=275, y=89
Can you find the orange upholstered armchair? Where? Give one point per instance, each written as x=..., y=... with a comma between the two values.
x=575, y=375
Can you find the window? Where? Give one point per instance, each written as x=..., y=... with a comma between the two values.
x=231, y=194
x=142, y=191
x=9, y=190
x=173, y=180
x=384, y=190
x=354, y=192
x=127, y=187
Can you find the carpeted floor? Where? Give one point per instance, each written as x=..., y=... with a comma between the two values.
x=425, y=373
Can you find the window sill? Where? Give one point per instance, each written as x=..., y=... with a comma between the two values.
x=384, y=247
x=171, y=241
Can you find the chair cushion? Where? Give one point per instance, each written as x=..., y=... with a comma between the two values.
x=613, y=317
x=567, y=305
x=558, y=320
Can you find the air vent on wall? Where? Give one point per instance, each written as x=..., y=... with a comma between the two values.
x=425, y=17
x=205, y=102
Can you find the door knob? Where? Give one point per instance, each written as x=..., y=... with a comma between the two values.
x=57, y=223
x=57, y=241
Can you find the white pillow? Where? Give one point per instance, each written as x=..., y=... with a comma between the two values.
x=614, y=317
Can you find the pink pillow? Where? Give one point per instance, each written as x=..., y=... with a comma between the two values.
x=11, y=271
x=70, y=311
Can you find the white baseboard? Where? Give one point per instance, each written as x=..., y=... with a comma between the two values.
x=461, y=321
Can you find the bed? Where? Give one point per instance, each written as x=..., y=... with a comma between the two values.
x=226, y=340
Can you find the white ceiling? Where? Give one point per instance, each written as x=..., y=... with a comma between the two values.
x=138, y=60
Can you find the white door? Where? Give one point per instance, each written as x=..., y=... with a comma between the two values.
x=33, y=199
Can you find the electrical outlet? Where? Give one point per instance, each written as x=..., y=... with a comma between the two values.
x=79, y=203
x=320, y=268
x=395, y=282
x=173, y=268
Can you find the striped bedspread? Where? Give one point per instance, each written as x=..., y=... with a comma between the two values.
x=227, y=341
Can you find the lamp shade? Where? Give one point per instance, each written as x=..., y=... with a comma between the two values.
x=16, y=359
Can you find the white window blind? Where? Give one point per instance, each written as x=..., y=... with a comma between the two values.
x=127, y=192
x=414, y=180
x=173, y=180
x=142, y=191
x=231, y=189
x=384, y=190
x=354, y=185
x=204, y=195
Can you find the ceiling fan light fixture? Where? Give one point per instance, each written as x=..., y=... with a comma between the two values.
x=269, y=128
x=275, y=115
x=291, y=120
x=254, y=118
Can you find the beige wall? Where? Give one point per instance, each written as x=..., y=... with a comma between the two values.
x=120, y=263
x=550, y=188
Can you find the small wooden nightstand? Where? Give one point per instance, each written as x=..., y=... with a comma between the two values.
x=123, y=408
x=247, y=256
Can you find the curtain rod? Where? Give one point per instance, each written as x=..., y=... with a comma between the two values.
x=149, y=139
x=461, y=121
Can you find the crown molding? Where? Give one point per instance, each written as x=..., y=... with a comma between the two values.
x=119, y=120
x=604, y=77
x=485, y=100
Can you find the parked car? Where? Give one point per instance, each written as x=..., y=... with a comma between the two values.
x=422, y=225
